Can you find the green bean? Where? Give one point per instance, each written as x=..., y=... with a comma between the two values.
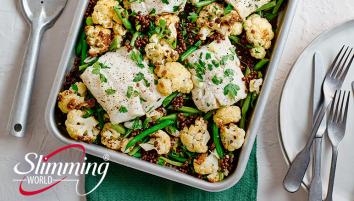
x=124, y=19
x=146, y=122
x=216, y=139
x=119, y=128
x=177, y=157
x=175, y=163
x=277, y=7
x=114, y=44
x=134, y=151
x=148, y=132
x=203, y=3
x=84, y=66
x=172, y=117
x=254, y=99
x=235, y=39
x=169, y=99
x=89, y=21
x=171, y=130
x=89, y=112
x=270, y=16
x=79, y=43
x=83, y=51
x=267, y=6
x=190, y=50
x=261, y=64
x=137, y=155
x=244, y=110
x=208, y=115
x=190, y=110
x=135, y=36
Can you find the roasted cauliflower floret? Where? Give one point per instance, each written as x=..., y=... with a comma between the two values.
x=259, y=33
x=159, y=51
x=104, y=14
x=156, y=114
x=70, y=99
x=196, y=137
x=119, y=32
x=206, y=164
x=212, y=18
x=171, y=21
x=124, y=143
x=98, y=38
x=79, y=88
x=173, y=77
x=232, y=137
x=160, y=141
x=226, y=115
x=255, y=85
x=80, y=128
x=110, y=137
x=215, y=177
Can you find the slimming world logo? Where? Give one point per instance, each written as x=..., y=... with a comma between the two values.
x=39, y=174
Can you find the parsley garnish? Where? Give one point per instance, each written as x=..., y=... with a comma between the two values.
x=193, y=17
x=228, y=9
x=207, y=56
x=137, y=58
x=123, y=109
x=75, y=88
x=110, y=91
x=138, y=77
x=229, y=73
x=216, y=80
x=97, y=66
x=131, y=92
x=165, y=1
x=231, y=90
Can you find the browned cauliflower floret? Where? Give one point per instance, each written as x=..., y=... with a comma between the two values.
x=212, y=18
x=119, y=32
x=196, y=137
x=173, y=77
x=226, y=115
x=99, y=39
x=72, y=98
x=156, y=114
x=110, y=137
x=80, y=128
x=160, y=141
x=103, y=13
x=171, y=21
x=259, y=33
x=232, y=137
x=158, y=51
x=255, y=85
x=124, y=144
x=206, y=164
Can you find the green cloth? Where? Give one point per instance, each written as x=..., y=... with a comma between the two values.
x=126, y=184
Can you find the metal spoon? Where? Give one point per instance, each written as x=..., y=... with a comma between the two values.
x=40, y=15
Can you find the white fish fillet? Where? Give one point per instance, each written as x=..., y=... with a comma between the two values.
x=146, y=6
x=206, y=94
x=120, y=75
x=246, y=7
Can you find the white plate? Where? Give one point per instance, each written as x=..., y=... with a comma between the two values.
x=295, y=112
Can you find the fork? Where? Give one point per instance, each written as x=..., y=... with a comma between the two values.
x=337, y=120
x=333, y=81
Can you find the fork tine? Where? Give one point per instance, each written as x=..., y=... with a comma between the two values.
x=346, y=108
x=342, y=100
x=335, y=61
x=343, y=65
x=338, y=65
x=337, y=107
x=344, y=74
x=331, y=111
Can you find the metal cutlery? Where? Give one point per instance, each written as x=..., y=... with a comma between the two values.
x=40, y=15
x=337, y=120
x=333, y=81
x=315, y=190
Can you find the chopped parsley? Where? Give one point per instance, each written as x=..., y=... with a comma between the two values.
x=165, y=1
x=216, y=80
x=97, y=66
x=137, y=58
x=75, y=88
x=228, y=9
x=103, y=78
x=138, y=77
x=207, y=56
x=229, y=73
x=110, y=91
x=231, y=90
x=123, y=109
x=131, y=92
x=193, y=17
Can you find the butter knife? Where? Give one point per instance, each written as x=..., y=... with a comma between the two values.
x=315, y=191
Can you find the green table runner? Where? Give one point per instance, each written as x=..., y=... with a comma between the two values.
x=126, y=184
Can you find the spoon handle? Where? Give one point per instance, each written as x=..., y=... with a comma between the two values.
x=22, y=100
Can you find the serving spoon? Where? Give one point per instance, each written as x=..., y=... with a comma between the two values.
x=40, y=15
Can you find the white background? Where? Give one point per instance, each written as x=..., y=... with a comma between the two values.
x=312, y=17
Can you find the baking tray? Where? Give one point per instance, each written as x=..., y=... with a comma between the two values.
x=66, y=64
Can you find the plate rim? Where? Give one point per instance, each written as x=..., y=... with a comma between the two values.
x=312, y=43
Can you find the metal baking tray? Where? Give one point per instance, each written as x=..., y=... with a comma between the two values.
x=66, y=64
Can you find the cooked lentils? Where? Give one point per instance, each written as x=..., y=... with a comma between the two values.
x=177, y=102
